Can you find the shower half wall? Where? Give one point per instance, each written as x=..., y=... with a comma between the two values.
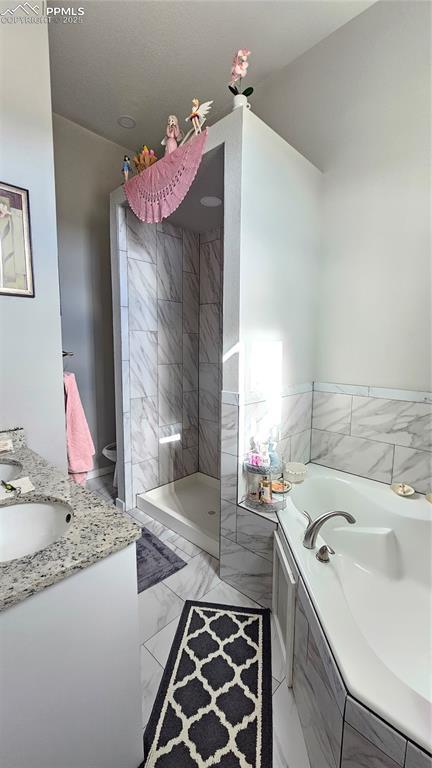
x=169, y=342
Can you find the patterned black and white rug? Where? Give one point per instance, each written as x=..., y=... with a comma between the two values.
x=214, y=705
x=155, y=561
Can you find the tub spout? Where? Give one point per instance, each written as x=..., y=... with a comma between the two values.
x=314, y=527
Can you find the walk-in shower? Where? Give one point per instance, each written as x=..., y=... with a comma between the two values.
x=167, y=294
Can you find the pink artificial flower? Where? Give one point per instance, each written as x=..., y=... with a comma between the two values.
x=240, y=65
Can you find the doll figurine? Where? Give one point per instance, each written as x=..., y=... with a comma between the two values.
x=126, y=168
x=198, y=114
x=172, y=136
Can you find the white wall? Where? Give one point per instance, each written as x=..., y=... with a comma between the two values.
x=87, y=169
x=358, y=106
x=280, y=193
x=31, y=387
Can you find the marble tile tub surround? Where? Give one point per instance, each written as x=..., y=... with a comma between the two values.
x=381, y=434
x=96, y=531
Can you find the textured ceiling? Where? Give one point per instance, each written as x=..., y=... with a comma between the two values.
x=148, y=59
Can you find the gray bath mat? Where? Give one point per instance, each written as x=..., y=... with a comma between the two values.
x=155, y=561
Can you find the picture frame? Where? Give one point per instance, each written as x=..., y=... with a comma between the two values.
x=16, y=262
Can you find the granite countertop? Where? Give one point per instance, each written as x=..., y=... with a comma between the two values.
x=96, y=531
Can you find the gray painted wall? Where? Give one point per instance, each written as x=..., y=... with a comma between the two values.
x=31, y=386
x=87, y=169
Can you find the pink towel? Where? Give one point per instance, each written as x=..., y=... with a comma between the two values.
x=80, y=448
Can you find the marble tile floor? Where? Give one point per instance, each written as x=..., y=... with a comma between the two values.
x=103, y=486
x=159, y=611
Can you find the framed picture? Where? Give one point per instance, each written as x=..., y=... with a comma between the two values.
x=16, y=268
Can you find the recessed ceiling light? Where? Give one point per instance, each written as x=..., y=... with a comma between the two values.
x=211, y=201
x=126, y=121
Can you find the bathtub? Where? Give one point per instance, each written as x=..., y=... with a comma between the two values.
x=190, y=506
x=374, y=597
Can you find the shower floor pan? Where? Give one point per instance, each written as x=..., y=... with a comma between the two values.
x=190, y=506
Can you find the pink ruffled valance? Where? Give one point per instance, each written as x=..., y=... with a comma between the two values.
x=156, y=192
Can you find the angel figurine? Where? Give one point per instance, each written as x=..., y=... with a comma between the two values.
x=126, y=168
x=198, y=114
x=173, y=135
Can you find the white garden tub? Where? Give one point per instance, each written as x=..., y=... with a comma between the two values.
x=374, y=598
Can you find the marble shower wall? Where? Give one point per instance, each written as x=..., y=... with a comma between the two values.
x=382, y=434
x=246, y=537
x=210, y=350
x=159, y=298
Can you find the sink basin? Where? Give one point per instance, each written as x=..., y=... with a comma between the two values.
x=10, y=470
x=29, y=526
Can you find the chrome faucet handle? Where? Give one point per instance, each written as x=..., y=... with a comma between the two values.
x=324, y=552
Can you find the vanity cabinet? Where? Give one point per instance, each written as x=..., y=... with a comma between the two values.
x=69, y=672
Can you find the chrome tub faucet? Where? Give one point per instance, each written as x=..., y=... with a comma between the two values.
x=314, y=526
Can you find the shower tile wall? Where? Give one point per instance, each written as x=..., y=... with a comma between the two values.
x=160, y=325
x=171, y=352
x=210, y=351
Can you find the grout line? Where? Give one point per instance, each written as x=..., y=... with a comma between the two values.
x=279, y=683
x=392, y=466
x=148, y=649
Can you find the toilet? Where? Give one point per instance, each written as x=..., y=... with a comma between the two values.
x=110, y=452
